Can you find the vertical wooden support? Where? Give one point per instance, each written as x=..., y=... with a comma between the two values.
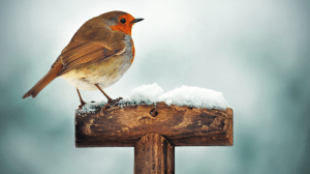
x=154, y=135
x=154, y=154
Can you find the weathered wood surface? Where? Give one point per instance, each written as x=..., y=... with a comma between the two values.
x=154, y=155
x=181, y=126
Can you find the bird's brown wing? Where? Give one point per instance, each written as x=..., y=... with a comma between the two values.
x=80, y=54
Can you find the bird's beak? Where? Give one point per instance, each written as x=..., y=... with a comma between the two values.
x=137, y=20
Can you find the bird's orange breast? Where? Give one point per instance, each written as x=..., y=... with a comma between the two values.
x=133, y=51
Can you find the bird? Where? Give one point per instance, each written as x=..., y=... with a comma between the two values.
x=97, y=56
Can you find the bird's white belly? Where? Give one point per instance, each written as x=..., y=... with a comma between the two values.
x=104, y=73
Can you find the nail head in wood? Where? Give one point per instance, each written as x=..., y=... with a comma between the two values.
x=154, y=112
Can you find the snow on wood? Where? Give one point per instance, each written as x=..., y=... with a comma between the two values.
x=195, y=97
x=151, y=94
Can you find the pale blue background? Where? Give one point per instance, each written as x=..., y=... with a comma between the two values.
x=255, y=52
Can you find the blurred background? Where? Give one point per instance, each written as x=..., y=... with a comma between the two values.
x=256, y=53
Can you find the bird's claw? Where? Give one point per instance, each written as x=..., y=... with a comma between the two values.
x=81, y=105
x=110, y=103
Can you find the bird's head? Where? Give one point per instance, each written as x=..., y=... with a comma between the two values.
x=120, y=21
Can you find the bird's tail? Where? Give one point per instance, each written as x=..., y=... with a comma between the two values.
x=50, y=76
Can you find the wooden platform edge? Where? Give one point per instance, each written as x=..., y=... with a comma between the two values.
x=180, y=125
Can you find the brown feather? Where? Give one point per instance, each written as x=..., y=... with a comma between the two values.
x=50, y=76
x=88, y=53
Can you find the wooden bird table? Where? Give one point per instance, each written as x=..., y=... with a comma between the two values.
x=154, y=132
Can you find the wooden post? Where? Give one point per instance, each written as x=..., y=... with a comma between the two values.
x=154, y=154
x=154, y=132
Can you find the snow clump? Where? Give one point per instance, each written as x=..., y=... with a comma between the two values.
x=151, y=94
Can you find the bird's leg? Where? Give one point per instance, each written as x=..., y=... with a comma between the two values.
x=110, y=101
x=106, y=95
x=81, y=100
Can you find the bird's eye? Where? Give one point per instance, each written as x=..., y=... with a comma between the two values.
x=123, y=21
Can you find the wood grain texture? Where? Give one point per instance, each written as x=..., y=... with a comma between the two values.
x=181, y=126
x=154, y=155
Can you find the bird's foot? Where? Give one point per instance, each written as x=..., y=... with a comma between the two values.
x=82, y=104
x=110, y=103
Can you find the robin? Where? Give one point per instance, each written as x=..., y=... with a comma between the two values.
x=97, y=56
